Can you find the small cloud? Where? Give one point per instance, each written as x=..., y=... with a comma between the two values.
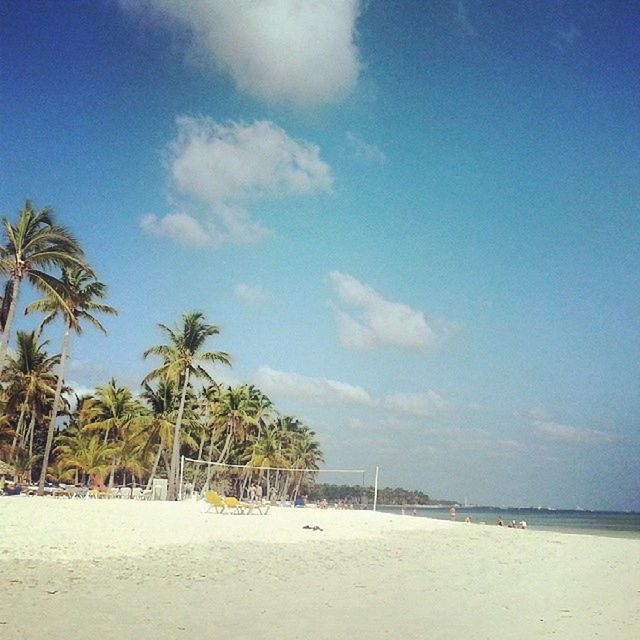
x=288, y=51
x=254, y=296
x=565, y=40
x=511, y=446
x=313, y=389
x=422, y=405
x=379, y=322
x=364, y=150
x=180, y=227
x=568, y=434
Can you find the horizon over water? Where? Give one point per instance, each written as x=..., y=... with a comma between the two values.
x=618, y=524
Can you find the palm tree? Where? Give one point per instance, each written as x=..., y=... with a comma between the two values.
x=158, y=424
x=234, y=414
x=180, y=358
x=31, y=383
x=114, y=410
x=33, y=245
x=87, y=453
x=77, y=302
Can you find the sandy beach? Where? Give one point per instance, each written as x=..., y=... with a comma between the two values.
x=125, y=569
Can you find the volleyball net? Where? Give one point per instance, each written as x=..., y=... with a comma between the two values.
x=324, y=487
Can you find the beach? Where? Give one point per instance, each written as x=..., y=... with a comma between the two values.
x=129, y=569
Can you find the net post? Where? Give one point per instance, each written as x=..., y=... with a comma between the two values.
x=181, y=478
x=375, y=490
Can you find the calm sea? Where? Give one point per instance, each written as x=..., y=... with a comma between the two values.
x=603, y=523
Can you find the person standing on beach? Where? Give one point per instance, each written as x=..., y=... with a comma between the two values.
x=259, y=492
x=452, y=513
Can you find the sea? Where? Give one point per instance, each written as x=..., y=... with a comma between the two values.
x=601, y=523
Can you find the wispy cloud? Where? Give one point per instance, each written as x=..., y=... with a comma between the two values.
x=277, y=50
x=462, y=19
x=422, y=405
x=254, y=296
x=324, y=390
x=364, y=150
x=180, y=227
x=221, y=168
x=313, y=389
x=379, y=321
x=566, y=39
x=569, y=434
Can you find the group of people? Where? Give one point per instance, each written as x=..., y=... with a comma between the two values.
x=512, y=524
x=255, y=492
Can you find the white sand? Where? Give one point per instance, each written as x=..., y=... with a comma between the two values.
x=122, y=569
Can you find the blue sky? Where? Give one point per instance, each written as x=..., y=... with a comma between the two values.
x=416, y=223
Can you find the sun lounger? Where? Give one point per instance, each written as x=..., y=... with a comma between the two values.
x=215, y=502
x=246, y=508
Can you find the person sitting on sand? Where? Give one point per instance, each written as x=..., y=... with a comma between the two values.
x=500, y=521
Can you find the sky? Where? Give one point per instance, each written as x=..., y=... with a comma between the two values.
x=416, y=224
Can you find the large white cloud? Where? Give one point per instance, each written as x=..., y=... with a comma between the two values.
x=379, y=321
x=297, y=51
x=221, y=168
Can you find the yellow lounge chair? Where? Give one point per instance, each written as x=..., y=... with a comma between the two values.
x=215, y=502
x=243, y=508
x=246, y=508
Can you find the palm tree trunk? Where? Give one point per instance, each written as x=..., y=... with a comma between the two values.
x=112, y=473
x=54, y=411
x=31, y=432
x=155, y=466
x=172, y=493
x=4, y=341
x=23, y=410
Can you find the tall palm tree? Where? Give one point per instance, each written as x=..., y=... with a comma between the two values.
x=76, y=303
x=34, y=245
x=180, y=359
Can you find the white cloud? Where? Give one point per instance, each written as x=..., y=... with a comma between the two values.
x=180, y=227
x=254, y=296
x=364, y=150
x=422, y=405
x=380, y=321
x=566, y=433
x=227, y=163
x=312, y=389
x=278, y=50
x=221, y=168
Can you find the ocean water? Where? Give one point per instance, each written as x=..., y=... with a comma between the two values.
x=602, y=523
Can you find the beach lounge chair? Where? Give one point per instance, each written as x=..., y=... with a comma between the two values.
x=235, y=506
x=246, y=508
x=215, y=502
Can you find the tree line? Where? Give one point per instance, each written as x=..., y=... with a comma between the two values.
x=117, y=434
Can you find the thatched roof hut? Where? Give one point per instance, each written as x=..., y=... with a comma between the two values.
x=6, y=469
